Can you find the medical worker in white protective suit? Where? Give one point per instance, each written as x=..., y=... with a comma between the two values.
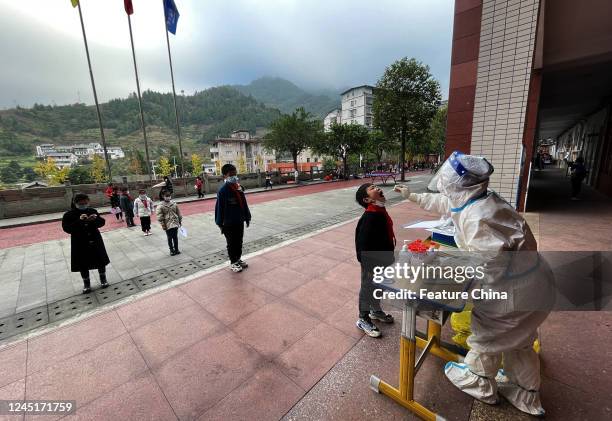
x=486, y=225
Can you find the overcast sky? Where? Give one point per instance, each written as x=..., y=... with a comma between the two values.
x=313, y=43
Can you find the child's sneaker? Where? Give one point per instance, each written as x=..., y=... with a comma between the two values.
x=235, y=267
x=86, y=290
x=382, y=316
x=243, y=264
x=368, y=327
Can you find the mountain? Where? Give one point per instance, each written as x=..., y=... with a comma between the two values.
x=204, y=115
x=286, y=96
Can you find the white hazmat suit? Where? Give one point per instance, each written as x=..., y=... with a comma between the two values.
x=487, y=225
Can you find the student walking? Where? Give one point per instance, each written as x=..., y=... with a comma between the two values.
x=268, y=181
x=170, y=218
x=231, y=213
x=198, y=185
x=87, y=249
x=127, y=206
x=578, y=174
x=374, y=243
x=116, y=204
x=167, y=187
x=143, y=209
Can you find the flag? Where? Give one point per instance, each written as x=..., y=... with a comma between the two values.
x=129, y=9
x=75, y=3
x=172, y=15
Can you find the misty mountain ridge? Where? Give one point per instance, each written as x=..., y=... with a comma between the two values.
x=286, y=96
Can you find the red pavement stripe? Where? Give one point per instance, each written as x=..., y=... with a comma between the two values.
x=32, y=234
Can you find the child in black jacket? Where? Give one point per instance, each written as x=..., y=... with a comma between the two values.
x=374, y=243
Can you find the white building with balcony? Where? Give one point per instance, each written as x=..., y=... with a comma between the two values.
x=357, y=106
x=242, y=150
x=332, y=117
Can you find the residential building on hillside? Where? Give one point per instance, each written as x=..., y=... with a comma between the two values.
x=63, y=159
x=81, y=151
x=241, y=149
x=357, y=105
x=332, y=117
x=356, y=108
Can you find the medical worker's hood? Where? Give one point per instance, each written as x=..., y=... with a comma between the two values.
x=462, y=177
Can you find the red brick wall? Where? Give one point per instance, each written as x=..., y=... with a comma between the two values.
x=464, y=65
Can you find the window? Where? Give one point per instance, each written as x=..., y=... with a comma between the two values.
x=307, y=159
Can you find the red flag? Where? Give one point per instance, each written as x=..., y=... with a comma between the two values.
x=129, y=9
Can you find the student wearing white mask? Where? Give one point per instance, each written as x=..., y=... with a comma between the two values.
x=143, y=209
x=170, y=218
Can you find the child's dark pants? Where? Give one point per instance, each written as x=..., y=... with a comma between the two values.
x=367, y=302
x=172, y=234
x=145, y=223
x=233, y=235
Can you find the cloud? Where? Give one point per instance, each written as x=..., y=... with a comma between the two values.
x=313, y=43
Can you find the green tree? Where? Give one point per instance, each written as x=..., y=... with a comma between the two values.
x=293, y=134
x=11, y=173
x=342, y=141
x=29, y=174
x=165, y=168
x=137, y=164
x=80, y=175
x=407, y=97
x=378, y=144
x=435, y=137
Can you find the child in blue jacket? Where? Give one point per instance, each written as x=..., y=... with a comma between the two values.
x=231, y=213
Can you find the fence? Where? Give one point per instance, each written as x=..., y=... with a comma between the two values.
x=41, y=200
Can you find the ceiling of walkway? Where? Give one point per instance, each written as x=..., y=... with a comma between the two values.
x=577, y=62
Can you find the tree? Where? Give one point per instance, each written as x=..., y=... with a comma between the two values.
x=242, y=168
x=196, y=163
x=29, y=174
x=60, y=175
x=435, y=137
x=165, y=168
x=137, y=163
x=407, y=97
x=80, y=175
x=98, y=169
x=11, y=173
x=45, y=169
x=293, y=134
x=378, y=144
x=341, y=141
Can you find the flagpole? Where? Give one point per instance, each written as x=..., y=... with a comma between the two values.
x=178, y=127
x=142, y=119
x=93, y=85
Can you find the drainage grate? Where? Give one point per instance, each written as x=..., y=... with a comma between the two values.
x=116, y=291
x=24, y=321
x=32, y=319
x=149, y=280
x=70, y=306
x=183, y=269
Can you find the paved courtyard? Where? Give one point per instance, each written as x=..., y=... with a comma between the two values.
x=278, y=342
x=39, y=273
